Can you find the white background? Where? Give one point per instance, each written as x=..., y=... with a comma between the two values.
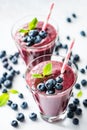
x=10, y=11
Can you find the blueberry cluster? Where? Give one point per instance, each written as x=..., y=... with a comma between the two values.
x=51, y=85
x=69, y=19
x=34, y=36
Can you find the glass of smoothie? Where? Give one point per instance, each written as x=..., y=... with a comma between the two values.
x=31, y=40
x=50, y=89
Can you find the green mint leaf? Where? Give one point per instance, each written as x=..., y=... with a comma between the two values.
x=79, y=94
x=23, y=31
x=37, y=76
x=32, y=24
x=47, y=70
x=13, y=91
x=3, y=99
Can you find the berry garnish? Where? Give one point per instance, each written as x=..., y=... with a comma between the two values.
x=50, y=83
x=50, y=91
x=41, y=87
x=43, y=34
x=33, y=116
x=59, y=86
x=59, y=79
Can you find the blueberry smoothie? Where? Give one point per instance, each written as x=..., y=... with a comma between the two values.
x=35, y=41
x=51, y=92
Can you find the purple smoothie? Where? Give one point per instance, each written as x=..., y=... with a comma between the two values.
x=44, y=47
x=54, y=104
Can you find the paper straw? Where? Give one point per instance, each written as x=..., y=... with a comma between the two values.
x=67, y=57
x=48, y=17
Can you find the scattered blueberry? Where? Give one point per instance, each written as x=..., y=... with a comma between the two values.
x=2, y=54
x=14, y=60
x=2, y=79
x=85, y=102
x=33, y=116
x=78, y=111
x=77, y=86
x=86, y=67
x=16, y=54
x=76, y=58
x=4, y=59
x=5, y=74
x=74, y=15
x=83, y=82
x=82, y=70
x=41, y=87
x=9, y=77
x=20, y=95
x=72, y=107
x=14, y=106
x=8, y=83
x=59, y=86
x=14, y=123
x=24, y=105
x=5, y=64
x=20, y=117
x=76, y=101
x=9, y=102
x=0, y=86
x=69, y=20
x=70, y=114
x=4, y=90
x=68, y=37
x=75, y=121
x=83, y=33
x=9, y=67
x=65, y=46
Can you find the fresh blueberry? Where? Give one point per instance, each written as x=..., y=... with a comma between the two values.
x=77, y=86
x=75, y=121
x=59, y=79
x=82, y=71
x=4, y=90
x=52, y=91
x=2, y=79
x=83, y=82
x=4, y=74
x=65, y=46
x=20, y=95
x=2, y=54
x=59, y=86
x=14, y=106
x=5, y=64
x=68, y=37
x=70, y=114
x=10, y=57
x=14, y=60
x=9, y=77
x=74, y=15
x=33, y=33
x=4, y=59
x=38, y=39
x=43, y=34
x=25, y=38
x=33, y=116
x=78, y=111
x=17, y=72
x=9, y=102
x=0, y=86
x=9, y=67
x=76, y=101
x=20, y=117
x=85, y=102
x=41, y=87
x=30, y=41
x=12, y=72
x=14, y=123
x=16, y=54
x=72, y=107
x=50, y=83
x=8, y=83
x=86, y=67
x=76, y=58
x=83, y=33
x=69, y=20
x=24, y=105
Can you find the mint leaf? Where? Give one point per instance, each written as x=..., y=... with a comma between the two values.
x=13, y=91
x=37, y=76
x=32, y=24
x=79, y=94
x=3, y=99
x=23, y=31
x=47, y=70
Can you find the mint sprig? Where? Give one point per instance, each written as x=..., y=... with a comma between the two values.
x=47, y=70
x=4, y=97
x=32, y=25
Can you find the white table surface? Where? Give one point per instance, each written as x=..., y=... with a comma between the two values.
x=10, y=11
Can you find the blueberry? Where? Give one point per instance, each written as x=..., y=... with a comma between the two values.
x=83, y=82
x=8, y=83
x=4, y=59
x=78, y=111
x=85, y=102
x=9, y=67
x=4, y=74
x=68, y=37
x=69, y=20
x=65, y=46
x=59, y=79
x=2, y=79
x=2, y=54
x=18, y=72
x=33, y=33
x=50, y=83
x=76, y=101
x=72, y=107
x=25, y=39
x=12, y=72
x=14, y=106
x=74, y=15
x=9, y=102
x=9, y=77
x=4, y=90
x=14, y=60
x=75, y=121
x=41, y=87
x=20, y=117
x=10, y=57
x=52, y=91
x=24, y=105
x=0, y=86
x=83, y=33
x=33, y=116
x=70, y=114
x=86, y=67
x=30, y=41
x=38, y=39
x=76, y=58
x=59, y=86
x=5, y=64
x=16, y=54
x=82, y=70
x=77, y=86
x=43, y=34
x=14, y=123
x=20, y=95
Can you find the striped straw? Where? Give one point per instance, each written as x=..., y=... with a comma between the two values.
x=67, y=56
x=48, y=17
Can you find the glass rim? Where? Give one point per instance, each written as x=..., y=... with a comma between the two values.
x=59, y=93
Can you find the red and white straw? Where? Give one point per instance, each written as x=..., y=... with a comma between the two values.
x=48, y=17
x=67, y=56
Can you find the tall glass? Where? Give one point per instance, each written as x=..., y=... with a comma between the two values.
x=52, y=105
x=44, y=47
